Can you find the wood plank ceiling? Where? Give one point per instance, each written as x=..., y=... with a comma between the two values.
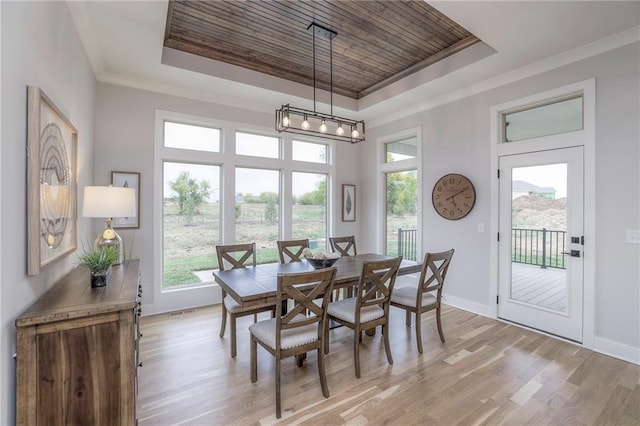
x=377, y=42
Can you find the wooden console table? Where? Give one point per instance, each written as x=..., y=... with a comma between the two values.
x=77, y=351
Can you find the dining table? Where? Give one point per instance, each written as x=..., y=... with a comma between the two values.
x=257, y=285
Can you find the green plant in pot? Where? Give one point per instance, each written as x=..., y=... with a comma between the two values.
x=99, y=261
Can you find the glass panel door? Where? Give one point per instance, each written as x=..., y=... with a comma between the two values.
x=541, y=222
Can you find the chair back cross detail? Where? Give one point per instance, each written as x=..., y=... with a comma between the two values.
x=291, y=250
x=346, y=246
x=228, y=256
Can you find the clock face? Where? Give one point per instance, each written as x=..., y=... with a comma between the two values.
x=453, y=196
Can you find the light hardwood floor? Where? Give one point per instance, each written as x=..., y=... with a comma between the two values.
x=487, y=372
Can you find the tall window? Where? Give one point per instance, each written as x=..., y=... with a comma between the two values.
x=190, y=207
x=309, y=208
x=401, y=224
x=402, y=213
x=257, y=210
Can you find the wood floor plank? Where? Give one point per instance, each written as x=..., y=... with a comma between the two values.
x=488, y=372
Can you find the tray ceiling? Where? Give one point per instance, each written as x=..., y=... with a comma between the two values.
x=377, y=42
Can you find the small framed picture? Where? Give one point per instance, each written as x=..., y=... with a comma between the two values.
x=348, y=203
x=127, y=180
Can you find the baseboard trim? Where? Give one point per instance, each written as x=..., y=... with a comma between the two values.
x=616, y=350
x=600, y=344
x=467, y=305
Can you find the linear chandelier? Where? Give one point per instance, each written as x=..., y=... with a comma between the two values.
x=313, y=123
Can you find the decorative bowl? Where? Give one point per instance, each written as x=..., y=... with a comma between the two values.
x=321, y=263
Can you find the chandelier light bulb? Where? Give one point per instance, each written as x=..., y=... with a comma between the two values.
x=339, y=130
x=285, y=119
x=355, y=133
x=323, y=127
x=305, y=123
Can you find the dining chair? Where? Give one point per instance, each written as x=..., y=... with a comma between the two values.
x=291, y=250
x=235, y=256
x=346, y=246
x=369, y=307
x=301, y=329
x=420, y=299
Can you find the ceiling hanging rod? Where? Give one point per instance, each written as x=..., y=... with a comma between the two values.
x=297, y=120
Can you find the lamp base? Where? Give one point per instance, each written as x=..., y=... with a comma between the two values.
x=110, y=238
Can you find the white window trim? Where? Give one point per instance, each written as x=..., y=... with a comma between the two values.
x=397, y=166
x=166, y=300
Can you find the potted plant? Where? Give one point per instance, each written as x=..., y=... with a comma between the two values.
x=99, y=263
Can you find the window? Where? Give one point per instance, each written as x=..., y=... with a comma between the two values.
x=216, y=183
x=257, y=145
x=190, y=222
x=257, y=211
x=402, y=214
x=399, y=165
x=186, y=136
x=311, y=152
x=543, y=120
x=401, y=150
x=309, y=209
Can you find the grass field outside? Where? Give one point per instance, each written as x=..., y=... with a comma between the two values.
x=189, y=243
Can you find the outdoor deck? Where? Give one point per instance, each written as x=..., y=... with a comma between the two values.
x=541, y=287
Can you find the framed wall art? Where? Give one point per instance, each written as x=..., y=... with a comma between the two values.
x=127, y=180
x=348, y=203
x=51, y=182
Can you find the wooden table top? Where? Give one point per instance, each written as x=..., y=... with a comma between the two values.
x=250, y=286
x=73, y=297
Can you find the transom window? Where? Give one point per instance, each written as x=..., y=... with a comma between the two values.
x=401, y=150
x=187, y=136
x=551, y=118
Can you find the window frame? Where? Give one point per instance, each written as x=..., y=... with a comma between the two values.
x=228, y=161
x=398, y=166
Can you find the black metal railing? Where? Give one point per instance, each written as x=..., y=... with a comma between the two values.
x=407, y=243
x=542, y=247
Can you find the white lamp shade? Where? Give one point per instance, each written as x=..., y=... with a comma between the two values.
x=109, y=201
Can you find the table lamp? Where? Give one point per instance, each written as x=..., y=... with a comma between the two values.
x=109, y=202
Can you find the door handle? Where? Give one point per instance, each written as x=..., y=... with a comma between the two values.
x=572, y=253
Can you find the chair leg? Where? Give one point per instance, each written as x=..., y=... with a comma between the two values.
x=387, y=346
x=232, y=325
x=418, y=332
x=278, y=398
x=254, y=360
x=356, y=352
x=223, y=322
x=408, y=320
x=439, y=322
x=321, y=372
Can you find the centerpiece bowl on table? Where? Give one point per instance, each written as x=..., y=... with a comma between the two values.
x=320, y=260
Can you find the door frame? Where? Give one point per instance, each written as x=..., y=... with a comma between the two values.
x=587, y=89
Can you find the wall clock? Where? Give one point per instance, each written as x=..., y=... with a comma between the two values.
x=453, y=196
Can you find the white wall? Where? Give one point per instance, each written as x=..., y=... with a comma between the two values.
x=40, y=47
x=456, y=138
x=125, y=120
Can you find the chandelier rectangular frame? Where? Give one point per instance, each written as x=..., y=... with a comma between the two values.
x=313, y=123
x=352, y=130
